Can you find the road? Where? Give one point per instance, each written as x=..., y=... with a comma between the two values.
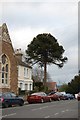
x=54, y=109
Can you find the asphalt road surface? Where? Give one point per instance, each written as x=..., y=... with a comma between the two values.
x=54, y=109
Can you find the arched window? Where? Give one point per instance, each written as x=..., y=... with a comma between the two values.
x=2, y=74
x=5, y=70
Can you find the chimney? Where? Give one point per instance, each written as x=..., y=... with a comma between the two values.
x=19, y=54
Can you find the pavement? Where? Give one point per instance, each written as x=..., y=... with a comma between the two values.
x=26, y=102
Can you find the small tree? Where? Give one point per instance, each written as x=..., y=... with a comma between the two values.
x=44, y=49
x=74, y=85
x=63, y=87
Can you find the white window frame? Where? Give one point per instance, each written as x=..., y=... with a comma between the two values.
x=21, y=85
x=5, y=79
x=26, y=86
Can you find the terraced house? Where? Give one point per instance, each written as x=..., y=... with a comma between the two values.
x=14, y=73
x=24, y=72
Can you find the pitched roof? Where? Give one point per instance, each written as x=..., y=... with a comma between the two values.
x=4, y=34
x=19, y=62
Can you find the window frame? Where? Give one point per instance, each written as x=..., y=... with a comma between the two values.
x=5, y=70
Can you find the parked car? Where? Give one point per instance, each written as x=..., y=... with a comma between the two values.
x=54, y=96
x=69, y=96
x=9, y=99
x=66, y=97
x=52, y=92
x=39, y=97
x=78, y=96
x=61, y=96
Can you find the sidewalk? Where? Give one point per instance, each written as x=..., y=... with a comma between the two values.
x=26, y=102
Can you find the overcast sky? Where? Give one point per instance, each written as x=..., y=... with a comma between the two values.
x=26, y=19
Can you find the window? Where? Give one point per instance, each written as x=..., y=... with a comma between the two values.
x=13, y=95
x=27, y=72
x=5, y=69
x=3, y=59
x=19, y=71
x=21, y=86
x=24, y=72
x=30, y=86
x=7, y=95
x=26, y=86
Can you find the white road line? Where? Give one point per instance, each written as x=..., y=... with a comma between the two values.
x=8, y=115
x=63, y=111
x=67, y=110
x=56, y=113
x=47, y=117
x=40, y=108
x=35, y=109
x=43, y=107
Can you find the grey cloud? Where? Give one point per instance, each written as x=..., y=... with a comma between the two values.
x=58, y=18
x=39, y=14
x=64, y=74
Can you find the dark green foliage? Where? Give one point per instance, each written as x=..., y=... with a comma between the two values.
x=73, y=87
x=45, y=49
x=38, y=86
x=63, y=88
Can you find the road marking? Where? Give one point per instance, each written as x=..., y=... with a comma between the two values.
x=40, y=108
x=67, y=110
x=63, y=111
x=8, y=115
x=56, y=113
x=43, y=107
x=34, y=109
x=17, y=107
x=46, y=116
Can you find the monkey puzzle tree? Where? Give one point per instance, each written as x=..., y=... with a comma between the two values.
x=45, y=49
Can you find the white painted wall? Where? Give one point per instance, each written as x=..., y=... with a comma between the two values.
x=25, y=78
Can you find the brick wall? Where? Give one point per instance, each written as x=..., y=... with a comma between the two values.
x=8, y=50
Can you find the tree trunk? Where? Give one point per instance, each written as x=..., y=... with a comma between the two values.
x=45, y=75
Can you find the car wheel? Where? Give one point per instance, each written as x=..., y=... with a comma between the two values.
x=30, y=102
x=6, y=105
x=58, y=99
x=21, y=103
x=10, y=105
x=42, y=101
x=50, y=100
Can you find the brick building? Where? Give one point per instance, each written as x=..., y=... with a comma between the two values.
x=8, y=63
x=52, y=86
x=14, y=72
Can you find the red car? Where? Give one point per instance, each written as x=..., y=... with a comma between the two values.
x=54, y=96
x=78, y=97
x=39, y=97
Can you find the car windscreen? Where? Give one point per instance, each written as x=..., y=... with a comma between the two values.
x=39, y=94
x=35, y=94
